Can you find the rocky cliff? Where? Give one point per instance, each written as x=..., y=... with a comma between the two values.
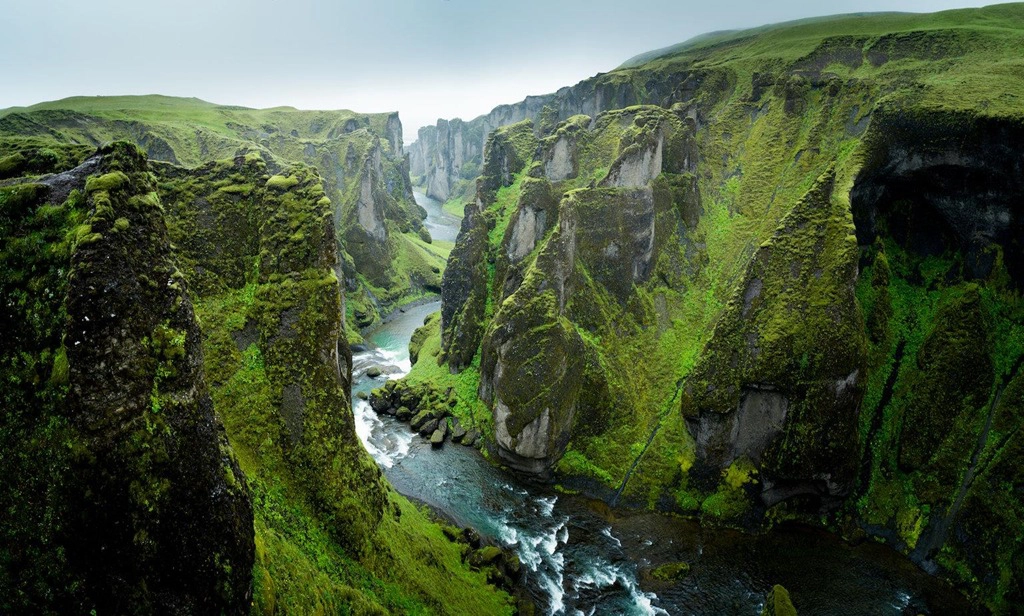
x=358, y=156
x=786, y=290
x=447, y=158
x=262, y=241
x=122, y=493
x=131, y=494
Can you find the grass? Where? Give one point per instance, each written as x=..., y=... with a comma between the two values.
x=455, y=206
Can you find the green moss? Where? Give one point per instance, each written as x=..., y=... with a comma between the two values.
x=12, y=165
x=455, y=206
x=732, y=503
x=59, y=375
x=575, y=464
x=106, y=183
x=778, y=603
x=671, y=571
x=15, y=199
x=39, y=440
x=282, y=182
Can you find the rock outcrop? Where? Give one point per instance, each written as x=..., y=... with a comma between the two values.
x=125, y=495
x=266, y=250
x=283, y=226
x=146, y=506
x=538, y=372
x=778, y=603
x=464, y=286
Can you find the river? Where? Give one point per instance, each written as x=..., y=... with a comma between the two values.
x=581, y=558
x=442, y=225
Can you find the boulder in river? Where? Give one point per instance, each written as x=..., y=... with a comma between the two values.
x=428, y=428
x=469, y=439
x=374, y=372
x=380, y=400
x=458, y=432
x=487, y=555
x=403, y=413
x=437, y=438
x=778, y=603
x=671, y=571
x=420, y=420
x=472, y=537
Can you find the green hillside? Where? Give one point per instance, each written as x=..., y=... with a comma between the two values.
x=359, y=157
x=781, y=282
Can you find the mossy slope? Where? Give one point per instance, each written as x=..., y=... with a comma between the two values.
x=330, y=533
x=802, y=305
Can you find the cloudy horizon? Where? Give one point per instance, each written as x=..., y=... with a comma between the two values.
x=426, y=59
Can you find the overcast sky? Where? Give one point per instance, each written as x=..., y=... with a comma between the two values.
x=425, y=58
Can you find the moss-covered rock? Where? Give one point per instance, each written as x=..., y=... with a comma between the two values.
x=149, y=508
x=671, y=571
x=420, y=336
x=778, y=603
x=604, y=240
x=464, y=292
x=327, y=524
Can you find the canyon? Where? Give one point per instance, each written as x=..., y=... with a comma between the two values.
x=762, y=286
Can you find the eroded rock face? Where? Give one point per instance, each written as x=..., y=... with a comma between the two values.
x=638, y=165
x=535, y=368
x=560, y=163
x=535, y=215
x=960, y=192
x=286, y=226
x=614, y=236
x=531, y=373
x=433, y=153
x=532, y=366
x=365, y=226
x=464, y=284
x=369, y=213
x=464, y=291
x=945, y=190
x=527, y=230
x=453, y=151
x=393, y=133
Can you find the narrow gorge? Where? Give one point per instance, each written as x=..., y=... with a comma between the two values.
x=735, y=327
